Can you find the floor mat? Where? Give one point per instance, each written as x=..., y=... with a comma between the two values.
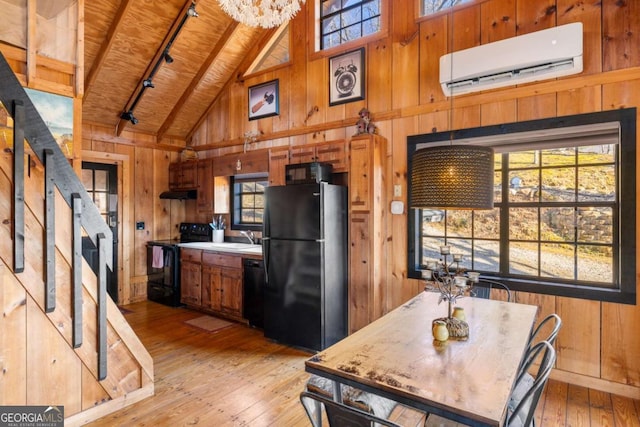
x=209, y=323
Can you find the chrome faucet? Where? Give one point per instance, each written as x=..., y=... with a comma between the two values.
x=249, y=235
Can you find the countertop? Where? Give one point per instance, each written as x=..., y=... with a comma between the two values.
x=230, y=247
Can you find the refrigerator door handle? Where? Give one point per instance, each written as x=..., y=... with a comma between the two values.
x=265, y=257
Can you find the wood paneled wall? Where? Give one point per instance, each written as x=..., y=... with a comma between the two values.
x=599, y=342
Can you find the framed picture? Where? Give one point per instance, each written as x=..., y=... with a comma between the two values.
x=346, y=77
x=264, y=100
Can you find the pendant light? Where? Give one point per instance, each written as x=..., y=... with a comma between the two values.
x=452, y=176
x=261, y=13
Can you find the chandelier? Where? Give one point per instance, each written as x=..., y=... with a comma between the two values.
x=261, y=13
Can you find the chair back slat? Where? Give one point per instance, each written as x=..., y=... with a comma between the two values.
x=340, y=414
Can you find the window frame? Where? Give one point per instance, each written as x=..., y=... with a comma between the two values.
x=315, y=52
x=625, y=270
x=236, y=206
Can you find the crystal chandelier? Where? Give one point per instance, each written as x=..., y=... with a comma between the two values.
x=261, y=13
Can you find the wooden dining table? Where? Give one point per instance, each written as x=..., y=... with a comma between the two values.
x=396, y=356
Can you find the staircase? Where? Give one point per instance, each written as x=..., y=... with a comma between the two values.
x=63, y=342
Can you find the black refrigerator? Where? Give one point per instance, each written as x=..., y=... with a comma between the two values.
x=305, y=252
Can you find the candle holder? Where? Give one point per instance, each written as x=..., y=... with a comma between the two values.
x=450, y=280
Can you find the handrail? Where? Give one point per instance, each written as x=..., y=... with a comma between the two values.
x=29, y=126
x=40, y=139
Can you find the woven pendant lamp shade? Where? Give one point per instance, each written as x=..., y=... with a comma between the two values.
x=452, y=177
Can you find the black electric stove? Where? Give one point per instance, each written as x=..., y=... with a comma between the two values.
x=163, y=263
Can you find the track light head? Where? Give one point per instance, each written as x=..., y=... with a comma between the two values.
x=128, y=115
x=192, y=11
x=147, y=83
x=168, y=58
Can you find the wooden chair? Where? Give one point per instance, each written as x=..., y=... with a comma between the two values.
x=483, y=288
x=339, y=414
x=520, y=411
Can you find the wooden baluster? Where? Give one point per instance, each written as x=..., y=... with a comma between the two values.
x=18, y=186
x=102, y=306
x=77, y=270
x=50, y=232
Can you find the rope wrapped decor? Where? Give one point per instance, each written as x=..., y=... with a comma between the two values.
x=452, y=177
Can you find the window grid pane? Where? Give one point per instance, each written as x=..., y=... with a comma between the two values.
x=249, y=201
x=348, y=20
x=560, y=219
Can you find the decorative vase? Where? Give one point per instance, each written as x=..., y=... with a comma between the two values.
x=458, y=313
x=439, y=330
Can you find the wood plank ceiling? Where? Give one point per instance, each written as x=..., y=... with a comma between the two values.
x=125, y=38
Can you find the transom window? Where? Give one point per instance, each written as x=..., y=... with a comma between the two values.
x=342, y=21
x=563, y=221
x=429, y=7
x=248, y=202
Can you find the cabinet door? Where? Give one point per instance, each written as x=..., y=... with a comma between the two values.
x=183, y=175
x=360, y=175
x=189, y=175
x=278, y=160
x=360, y=301
x=334, y=153
x=204, y=203
x=211, y=287
x=174, y=176
x=302, y=154
x=190, y=287
x=231, y=290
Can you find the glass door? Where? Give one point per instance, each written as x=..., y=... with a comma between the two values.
x=101, y=182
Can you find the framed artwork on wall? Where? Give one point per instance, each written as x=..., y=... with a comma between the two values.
x=346, y=77
x=57, y=113
x=264, y=100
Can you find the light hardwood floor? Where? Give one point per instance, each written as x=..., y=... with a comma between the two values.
x=236, y=377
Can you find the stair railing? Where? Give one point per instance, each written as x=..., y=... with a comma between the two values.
x=29, y=126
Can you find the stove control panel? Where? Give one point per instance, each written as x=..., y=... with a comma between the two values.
x=195, y=232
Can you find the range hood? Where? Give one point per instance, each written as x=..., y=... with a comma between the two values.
x=179, y=194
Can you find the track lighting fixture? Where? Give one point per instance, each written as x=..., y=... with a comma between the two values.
x=128, y=115
x=192, y=11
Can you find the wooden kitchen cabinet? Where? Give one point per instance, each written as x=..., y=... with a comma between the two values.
x=190, y=277
x=242, y=163
x=367, y=216
x=183, y=175
x=334, y=153
x=231, y=291
x=204, y=203
x=222, y=284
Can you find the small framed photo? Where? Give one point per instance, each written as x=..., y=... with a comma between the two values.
x=346, y=77
x=264, y=100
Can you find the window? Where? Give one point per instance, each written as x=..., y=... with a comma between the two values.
x=429, y=7
x=563, y=221
x=248, y=202
x=342, y=21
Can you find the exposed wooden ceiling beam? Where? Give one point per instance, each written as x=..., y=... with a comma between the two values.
x=236, y=75
x=106, y=46
x=159, y=54
x=197, y=79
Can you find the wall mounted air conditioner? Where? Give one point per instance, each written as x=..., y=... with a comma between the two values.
x=545, y=54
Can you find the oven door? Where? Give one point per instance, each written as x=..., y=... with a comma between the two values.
x=163, y=272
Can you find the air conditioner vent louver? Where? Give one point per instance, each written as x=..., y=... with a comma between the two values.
x=545, y=54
